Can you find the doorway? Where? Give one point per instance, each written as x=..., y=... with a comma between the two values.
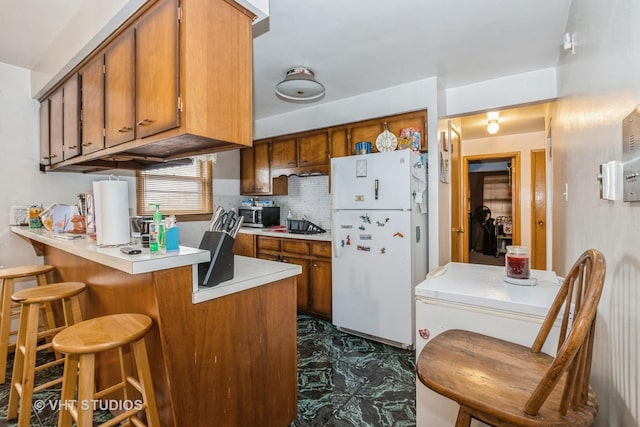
x=492, y=193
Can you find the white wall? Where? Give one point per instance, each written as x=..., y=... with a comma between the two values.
x=22, y=183
x=522, y=143
x=598, y=87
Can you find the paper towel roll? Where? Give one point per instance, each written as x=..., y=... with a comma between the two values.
x=112, y=212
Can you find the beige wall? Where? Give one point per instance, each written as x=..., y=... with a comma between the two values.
x=522, y=143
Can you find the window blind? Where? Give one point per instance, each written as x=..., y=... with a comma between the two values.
x=180, y=190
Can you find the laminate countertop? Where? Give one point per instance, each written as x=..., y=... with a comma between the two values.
x=326, y=237
x=248, y=272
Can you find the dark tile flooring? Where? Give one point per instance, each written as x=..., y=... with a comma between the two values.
x=343, y=380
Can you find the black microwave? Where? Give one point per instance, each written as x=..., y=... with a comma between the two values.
x=260, y=216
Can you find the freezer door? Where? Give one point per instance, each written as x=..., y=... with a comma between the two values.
x=372, y=274
x=372, y=181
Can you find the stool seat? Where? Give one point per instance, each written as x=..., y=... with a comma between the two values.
x=102, y=333
x=24, y=271
x=53, y=292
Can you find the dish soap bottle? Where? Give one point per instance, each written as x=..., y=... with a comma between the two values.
x=157, y=240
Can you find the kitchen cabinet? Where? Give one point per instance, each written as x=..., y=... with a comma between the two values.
x=284, y=156
x=340, y=146
x=244, y=245
x=255, y=172
x=93, y=105
x=60, y=123
x=300, y=154
x=314, y=257
x=119, y=92
x=156, y=48
x=176, y=82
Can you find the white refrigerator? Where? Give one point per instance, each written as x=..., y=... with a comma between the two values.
x=379, y=231
x=476, y=298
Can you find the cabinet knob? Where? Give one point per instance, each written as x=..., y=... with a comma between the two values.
x=541, y=223
x=125, y=129
x=458, y=229
x=144, y=122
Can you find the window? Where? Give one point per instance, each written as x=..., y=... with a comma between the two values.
x=180, y=190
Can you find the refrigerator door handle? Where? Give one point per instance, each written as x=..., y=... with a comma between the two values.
x=376, y=186
x=337, y=246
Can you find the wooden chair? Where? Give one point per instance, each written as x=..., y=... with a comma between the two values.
x=505, y=384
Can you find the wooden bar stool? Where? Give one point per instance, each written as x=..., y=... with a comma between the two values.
x=80, y=343
x=24, y=366
x=7, y=312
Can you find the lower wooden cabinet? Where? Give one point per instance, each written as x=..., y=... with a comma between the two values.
x=314, y=257
x=245, y=245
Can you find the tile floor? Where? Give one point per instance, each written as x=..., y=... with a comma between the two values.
x=343, y=380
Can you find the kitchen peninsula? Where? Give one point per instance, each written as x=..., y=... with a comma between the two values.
x=223, y=356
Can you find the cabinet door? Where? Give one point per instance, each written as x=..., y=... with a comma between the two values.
x=56, y=123
x=157, y=69
x=417, y=120
x=283, y=155
x=261, y=169
x=340, y=143
x=244, y=245
x=45, y=158
x=313, y=150
x=71, y=117
x=368, y=131
x=303, y=296
x=320, y=287
x=246, y=171
x=93, y=105
x=119, y=94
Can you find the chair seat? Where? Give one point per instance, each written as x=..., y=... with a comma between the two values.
x=478, y=372
x=102, y=333
x=48, y=293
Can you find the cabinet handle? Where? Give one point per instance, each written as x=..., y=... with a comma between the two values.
x=125, y=129
x=86, y=144
x=52, y=156
x=144, y=122
x=73, y=147
x=315, y=265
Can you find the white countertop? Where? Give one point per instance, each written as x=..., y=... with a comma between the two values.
x=247, y=273
x=325, y=237
x=484, y=286
x=112, y=257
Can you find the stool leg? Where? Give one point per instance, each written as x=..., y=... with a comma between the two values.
x=67, y=397
x=86, y=387
x=24, y=366
x=5, y=326
x=49, y=319
x=144, y=377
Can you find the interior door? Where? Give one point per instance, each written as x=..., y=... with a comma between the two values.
x=459, y=232
x=538, y=210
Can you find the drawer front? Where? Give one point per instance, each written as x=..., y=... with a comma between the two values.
x=295, y=247
x=268, y=243
x=321, y=249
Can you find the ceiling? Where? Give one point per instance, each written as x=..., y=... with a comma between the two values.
x=354, y=46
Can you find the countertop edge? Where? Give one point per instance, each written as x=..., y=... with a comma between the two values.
x=322, y=237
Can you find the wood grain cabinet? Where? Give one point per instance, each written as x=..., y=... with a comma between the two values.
x=60, y=123
x=245, y=245
x=175, y=80
x=255, y=172
x=314, y=257
x=300, y=154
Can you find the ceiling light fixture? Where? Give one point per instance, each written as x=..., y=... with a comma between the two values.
x=493, y=127
x=300, y=84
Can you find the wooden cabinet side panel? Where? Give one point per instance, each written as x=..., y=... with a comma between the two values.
x=119, y=90
x=93, y=105
x=238, y=366
x=44, y=132
x=56, y=120
x=157, y=69
x=71, y=117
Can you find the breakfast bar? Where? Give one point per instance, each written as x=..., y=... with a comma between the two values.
x=222, y=355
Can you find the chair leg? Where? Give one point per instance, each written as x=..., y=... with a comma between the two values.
x=464, y=418
x=5, y=325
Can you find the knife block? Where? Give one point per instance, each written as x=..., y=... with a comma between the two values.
x=220, y=268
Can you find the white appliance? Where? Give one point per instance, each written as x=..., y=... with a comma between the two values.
x=476, y=298
x=379, y=229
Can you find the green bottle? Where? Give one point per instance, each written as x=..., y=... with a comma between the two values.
x=157, y=239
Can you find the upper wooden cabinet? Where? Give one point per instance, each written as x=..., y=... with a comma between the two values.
x=156, y=50
x=176, y=82
x=313, y=152
x=71, y=117
x=119, y=84
x=300, y=154
x=284, y=155
x=255, y=172
x=93, y=105
x=60, y=123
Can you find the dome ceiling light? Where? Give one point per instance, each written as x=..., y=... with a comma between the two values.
x=300, y=84
x=493, y=126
